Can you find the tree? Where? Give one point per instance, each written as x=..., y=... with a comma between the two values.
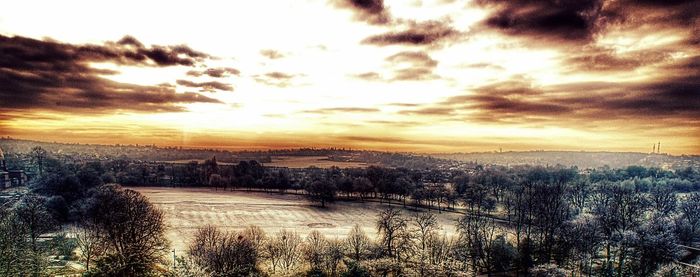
x=284, y=250
x=321, y=191
x=314, y=250
x=425, y=223
x=476, y=235
x=14, y=247
x=90, y=244
x=358, y=243
x=333, y=254
x=390, y=226
x=688, y=223
x=223, y=253
x=663, y=200
x=363, y=186
x=35, y=218
x=257, y=236
x=655, y=244
x=133, y=230
x=355, y=269
x=215, y=180
x=619, y=209
x=38, y=156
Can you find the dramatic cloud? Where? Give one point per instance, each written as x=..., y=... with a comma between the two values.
x=568, y=20
x=574, y=20
x=518, y=101
x=47, y=75
x=423, y=33
x=412, y=66
x=206, y=86
x=271, y=54
x=370, y=11
x=215, y=72
x=128, y=50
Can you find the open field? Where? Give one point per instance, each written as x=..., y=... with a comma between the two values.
x=189, y=208
x=307, y=161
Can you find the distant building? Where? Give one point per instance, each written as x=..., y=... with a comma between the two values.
x=4, y=175
x=10, y=178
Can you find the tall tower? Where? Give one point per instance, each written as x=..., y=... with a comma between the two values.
x=658, y=148
x=653, y=148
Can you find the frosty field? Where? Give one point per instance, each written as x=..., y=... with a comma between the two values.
x=186, y=209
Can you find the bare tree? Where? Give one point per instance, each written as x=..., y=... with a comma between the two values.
x=288, y=247
x=36, y=220
x=90, y=244
x=333, y=255
x=425, y=223
x=314, y=250
x=257, y=236
x=223, y=253
x=390, y=226
x=273, y=253
x=358, y=242
x=476, y=234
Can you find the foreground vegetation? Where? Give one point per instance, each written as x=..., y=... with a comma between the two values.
x=548, y=221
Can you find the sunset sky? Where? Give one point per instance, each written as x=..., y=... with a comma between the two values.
x=407, y=75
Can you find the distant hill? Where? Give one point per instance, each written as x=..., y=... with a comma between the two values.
x=76, y=151
x=580, y=159
x=96, y=152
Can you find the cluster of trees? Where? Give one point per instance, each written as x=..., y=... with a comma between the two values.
x=405, y=246
x=69, y=207
x=118, y=233
x=600, y=224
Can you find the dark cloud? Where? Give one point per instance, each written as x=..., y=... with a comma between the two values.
x=412, y=66
x=215, y=72
x=54, y=76
x=581, y=20
x=370, y=11
x=271, y=54
x=424, y=33
x=129, y=40
x=671, y=99
x=567, y=19
x=206, y=86
x=342, y=110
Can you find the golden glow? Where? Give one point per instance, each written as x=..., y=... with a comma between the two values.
x=321, y=48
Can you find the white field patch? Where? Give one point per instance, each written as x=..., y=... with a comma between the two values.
x=187, y=209
x=307, y=161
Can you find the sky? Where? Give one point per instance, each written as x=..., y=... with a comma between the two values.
x=409, y=75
